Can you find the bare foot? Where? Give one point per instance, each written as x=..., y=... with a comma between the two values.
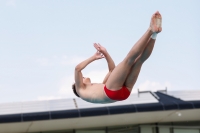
x=156, y=21
x=159, y=22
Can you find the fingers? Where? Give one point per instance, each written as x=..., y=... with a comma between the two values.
x=99, y=45
x=96, y=46
x=99, y=55
x=102, y=56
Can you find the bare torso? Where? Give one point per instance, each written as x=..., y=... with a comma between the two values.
x=94, y=93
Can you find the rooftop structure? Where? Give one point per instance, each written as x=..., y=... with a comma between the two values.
x=64, y=114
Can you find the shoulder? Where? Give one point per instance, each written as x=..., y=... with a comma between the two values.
x=80, y=88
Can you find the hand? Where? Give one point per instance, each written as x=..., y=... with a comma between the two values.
x=100, y=48
x=98, y=55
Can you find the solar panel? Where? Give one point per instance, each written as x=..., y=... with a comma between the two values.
x=83, y=104
x=61, y=104
x=133, y=99
x=49, y=105
x=35, y=106
x=192, y=95
x=143, y=98
x=68, y=104
x=10, y=108
x=136, y=99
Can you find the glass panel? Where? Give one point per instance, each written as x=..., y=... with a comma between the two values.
x=146, y=130
x=59, y=131
x=164, y=130
x=91, y=131
x=186, y=131
x=123, y=129
x=127, y=131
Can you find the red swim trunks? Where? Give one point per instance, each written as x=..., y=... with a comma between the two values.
x=119, y=95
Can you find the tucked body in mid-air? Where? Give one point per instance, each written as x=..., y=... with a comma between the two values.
x=120, y=79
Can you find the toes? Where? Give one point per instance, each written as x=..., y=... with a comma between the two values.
x=157, y=13
x=159, y=16
x=158, y=22
x=153, y=16
x=159, y=29
x=153, y=23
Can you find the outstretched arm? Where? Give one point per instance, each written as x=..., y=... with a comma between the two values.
x=81, y=66
x=111, y=64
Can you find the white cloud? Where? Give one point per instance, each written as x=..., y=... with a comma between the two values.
x=11, y=3
x=152, y=86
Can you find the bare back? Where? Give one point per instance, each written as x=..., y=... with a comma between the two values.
x=94, y=93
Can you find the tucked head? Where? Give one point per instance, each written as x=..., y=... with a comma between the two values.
x=74, y=90
x=86, y=80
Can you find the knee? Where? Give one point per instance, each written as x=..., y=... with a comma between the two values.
x=129, y=61
x=140, y=60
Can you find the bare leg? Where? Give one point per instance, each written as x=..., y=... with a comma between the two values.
x=121, y=71
x=135, y=70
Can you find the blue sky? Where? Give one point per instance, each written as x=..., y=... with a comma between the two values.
x=42, y=41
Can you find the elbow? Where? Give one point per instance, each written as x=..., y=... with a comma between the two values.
x=112, y=67
x=110, y=70
x=77, y=68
